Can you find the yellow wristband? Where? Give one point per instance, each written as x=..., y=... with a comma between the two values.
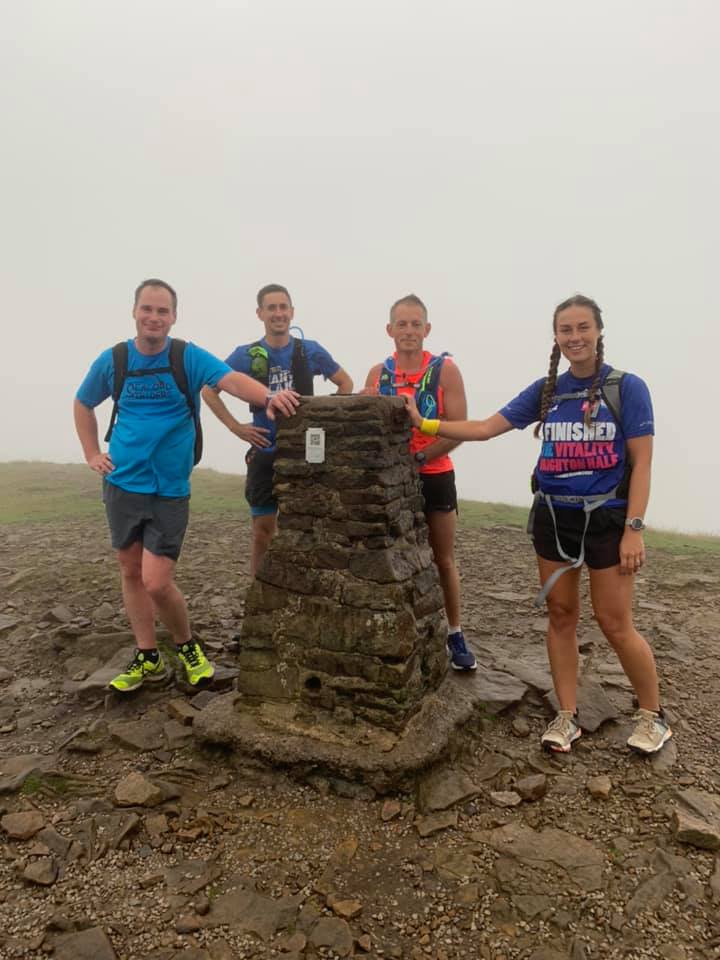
x=430, y=427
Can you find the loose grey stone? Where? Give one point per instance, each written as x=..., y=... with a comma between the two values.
x=137, y=790
x=333, y=934
x=505, y=798
x=520, y=727
x=600, y=787
x=42, y=871
x=533, y=787
x=22, y=826
x=60, y=613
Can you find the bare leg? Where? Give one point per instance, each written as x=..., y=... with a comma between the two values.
x=563, y=605
x=162, y=591
x=441, y=529
x=612, y=602
x=138, y=604
x=264, y=529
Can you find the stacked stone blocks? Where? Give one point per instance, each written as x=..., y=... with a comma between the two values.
x=345, y=615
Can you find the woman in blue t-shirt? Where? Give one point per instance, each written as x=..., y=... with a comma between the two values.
x=592, y=482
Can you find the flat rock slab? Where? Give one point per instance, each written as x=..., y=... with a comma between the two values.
x=497, y=690
x=696, y=819
x=443, y=788
x=358, y=752
x=14, y=771
x=549, y=860
x=246, y=911
x=140, y=735
x=435, y=822
x=594, y=705
x=92, y=944
x=534, y=674
x=100, y=678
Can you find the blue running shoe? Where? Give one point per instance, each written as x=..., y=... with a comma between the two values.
x=460, y=657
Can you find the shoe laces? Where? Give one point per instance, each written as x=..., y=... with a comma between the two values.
x=191, y=652
x=646, y=722
x=563, y=723
x=138, y=660
x=456, y=641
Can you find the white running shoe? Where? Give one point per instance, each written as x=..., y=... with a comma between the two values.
x=651, y=732
x=562, y=732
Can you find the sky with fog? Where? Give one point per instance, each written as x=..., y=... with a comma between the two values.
x=492, y=157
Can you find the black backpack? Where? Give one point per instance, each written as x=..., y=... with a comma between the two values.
x=176, y=367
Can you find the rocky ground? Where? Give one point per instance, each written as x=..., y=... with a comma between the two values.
x=122, y=837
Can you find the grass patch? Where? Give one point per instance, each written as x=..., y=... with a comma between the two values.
x=32, y=492
x=44, y=783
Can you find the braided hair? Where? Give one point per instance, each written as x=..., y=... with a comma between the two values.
x=551, y=379
x=548, y=388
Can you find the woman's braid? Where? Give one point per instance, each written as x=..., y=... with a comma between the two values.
x=594, y=390
x=549, y=388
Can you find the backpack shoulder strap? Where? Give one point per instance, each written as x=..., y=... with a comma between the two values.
x=120, y=368
x=611, y=391
x=433, y=370
x=176, y=358
x=300, y=369
x=386, y=378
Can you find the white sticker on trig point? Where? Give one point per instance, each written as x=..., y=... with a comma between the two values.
x=315, y=445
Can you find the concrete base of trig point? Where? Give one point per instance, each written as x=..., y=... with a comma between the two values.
x=342, y=665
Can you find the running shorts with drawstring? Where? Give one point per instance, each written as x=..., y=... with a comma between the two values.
x=602, y=540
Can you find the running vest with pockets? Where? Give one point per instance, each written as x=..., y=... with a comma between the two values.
x=176, y=367
x=426, y=389
x=611, y=394
x=299, y=369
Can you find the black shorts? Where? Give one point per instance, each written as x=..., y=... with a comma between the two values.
x=439, y=491
x=159, y=523
x=259, y=482
x=602, y=540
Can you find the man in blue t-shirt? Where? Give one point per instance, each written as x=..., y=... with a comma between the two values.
x=279, y=362
x=146, y=471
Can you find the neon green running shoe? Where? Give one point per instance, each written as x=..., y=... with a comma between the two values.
x=197, y=666
x=137, y=672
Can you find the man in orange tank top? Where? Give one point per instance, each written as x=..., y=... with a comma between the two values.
x=435, y=382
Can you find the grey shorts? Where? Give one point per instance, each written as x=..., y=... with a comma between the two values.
x=159, y=523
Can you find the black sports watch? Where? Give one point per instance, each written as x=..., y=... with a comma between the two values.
x=420, y=458
x=635, y=523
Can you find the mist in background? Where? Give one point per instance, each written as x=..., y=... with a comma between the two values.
x=492, y=157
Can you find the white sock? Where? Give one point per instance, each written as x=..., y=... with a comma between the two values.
x=452, y=630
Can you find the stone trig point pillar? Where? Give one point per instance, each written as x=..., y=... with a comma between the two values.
x=342, y=663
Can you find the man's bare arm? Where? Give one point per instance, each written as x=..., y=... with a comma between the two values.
x=245, y=388
x=454, y=408
x=245, y=431
x=342, y=380
x=86, y=426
